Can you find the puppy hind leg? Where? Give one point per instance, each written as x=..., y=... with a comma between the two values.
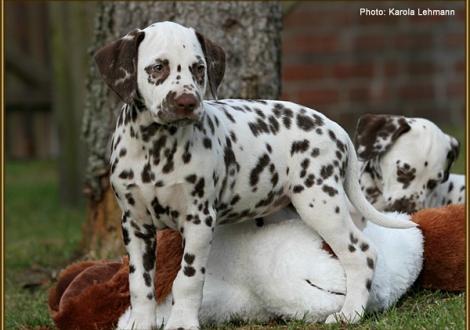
x=329, y=216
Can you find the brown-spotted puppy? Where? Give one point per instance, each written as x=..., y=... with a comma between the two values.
x=184, y=163
x=405, y=163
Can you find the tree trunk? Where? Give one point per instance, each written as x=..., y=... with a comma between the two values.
x=70, y=31
x=249, y=32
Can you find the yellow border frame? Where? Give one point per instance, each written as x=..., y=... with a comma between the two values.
x=2, y=164
x=2, y=179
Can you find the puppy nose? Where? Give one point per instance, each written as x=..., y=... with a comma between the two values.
x=186, y=102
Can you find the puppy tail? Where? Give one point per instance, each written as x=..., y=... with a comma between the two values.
x=357, y=198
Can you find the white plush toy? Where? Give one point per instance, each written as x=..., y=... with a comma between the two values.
x=281, y=269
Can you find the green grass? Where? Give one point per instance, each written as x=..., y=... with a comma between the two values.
x=42, y=237
x=418, y=310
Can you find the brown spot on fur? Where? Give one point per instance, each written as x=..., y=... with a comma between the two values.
x=405, y=174
x=215, y=59
x=117, y=63
x=158, y=72
x=375, y=134
x=404, y=204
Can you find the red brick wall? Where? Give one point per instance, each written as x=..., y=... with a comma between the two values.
x=344, y=64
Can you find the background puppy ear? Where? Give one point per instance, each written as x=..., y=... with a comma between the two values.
x=455, y=148
x=117, y=63
x=452, y=155
x=375, y=134
x=215, y=59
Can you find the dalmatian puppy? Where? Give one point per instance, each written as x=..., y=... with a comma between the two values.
x=188, y=164
x=405, y=163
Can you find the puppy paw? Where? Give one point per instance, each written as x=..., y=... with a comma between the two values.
x=343, y=318
x=132, y=321
x=183, y=327
x=182, y=324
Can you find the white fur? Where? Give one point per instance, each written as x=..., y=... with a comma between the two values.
x=178, y=45
x=443, y=194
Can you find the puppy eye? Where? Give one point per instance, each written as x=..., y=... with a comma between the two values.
x=157, y=67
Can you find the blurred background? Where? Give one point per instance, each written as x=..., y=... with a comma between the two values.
x=324, y=55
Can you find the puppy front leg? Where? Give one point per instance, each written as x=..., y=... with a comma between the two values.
x=140, y=242
x=187, y=287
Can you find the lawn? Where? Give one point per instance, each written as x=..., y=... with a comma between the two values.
x=42, y=237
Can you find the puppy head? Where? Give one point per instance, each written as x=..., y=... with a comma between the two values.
x=413, y=154
x=166, y=67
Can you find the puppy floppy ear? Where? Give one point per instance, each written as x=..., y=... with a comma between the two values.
x=375, y=134
x=452, y=155
x=117, y=63
x=215, y=59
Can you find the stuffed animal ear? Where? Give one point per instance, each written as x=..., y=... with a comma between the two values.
x=74, y=303
x=215, y=59
x=117, y=63
x=452, y=155
x=375, y=134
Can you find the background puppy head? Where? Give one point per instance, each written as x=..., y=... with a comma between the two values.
x=165, y=67
x=410, y=157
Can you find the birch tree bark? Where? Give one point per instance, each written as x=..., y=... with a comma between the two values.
x=249, y=32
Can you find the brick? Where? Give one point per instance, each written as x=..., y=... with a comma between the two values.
x=287, y=96
x=420, y=68
x=296, y=72
x=431, y=112
x=359, y=94
x=455, y=39
x=370, y=42
x=302, y=43
x=353, y=70
x=460, y=14
x=413, y=41
x=317, y=97
x=456, y=89
x=391, y=68
x=305, y=14
x=348, y=120
x=416, y=92
x=460, y=66
x=369, y=94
